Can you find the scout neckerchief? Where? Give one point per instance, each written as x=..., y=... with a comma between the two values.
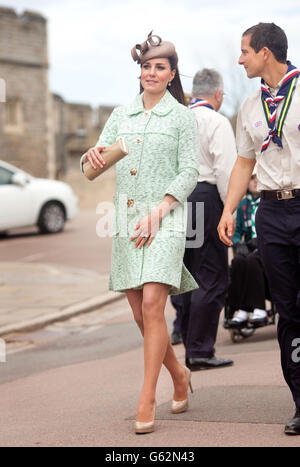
x=254, y=202
x=270, y=105
x=195, y=102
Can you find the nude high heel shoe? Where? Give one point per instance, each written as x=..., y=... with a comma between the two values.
x=145, y=427
x=181, y=406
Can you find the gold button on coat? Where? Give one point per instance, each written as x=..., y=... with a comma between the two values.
x=133, y=171
x=130, y=203
x=139, y=140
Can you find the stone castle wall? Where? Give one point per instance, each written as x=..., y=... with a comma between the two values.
x=40, y=132
x=25, y=122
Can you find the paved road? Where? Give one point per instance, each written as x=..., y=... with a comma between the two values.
x=78, y=246
x=95, y=335
x=43, y=277
x=77, y=383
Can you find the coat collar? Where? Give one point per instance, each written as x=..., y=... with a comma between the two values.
x=164, y=106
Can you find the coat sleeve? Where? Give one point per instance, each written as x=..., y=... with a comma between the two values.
x=108, y=135
x=187, y=159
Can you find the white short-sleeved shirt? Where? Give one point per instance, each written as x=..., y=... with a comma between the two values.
x=217, y=148
x=277, y=168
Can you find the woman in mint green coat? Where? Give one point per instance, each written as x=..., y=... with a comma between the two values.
x=153, y=183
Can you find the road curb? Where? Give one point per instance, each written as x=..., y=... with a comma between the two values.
x=63, y=314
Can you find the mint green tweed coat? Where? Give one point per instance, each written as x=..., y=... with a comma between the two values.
x=163, y=159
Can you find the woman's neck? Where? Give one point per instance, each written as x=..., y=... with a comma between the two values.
x=150, y=100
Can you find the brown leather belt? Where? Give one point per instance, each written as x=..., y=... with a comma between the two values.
x=280, y=194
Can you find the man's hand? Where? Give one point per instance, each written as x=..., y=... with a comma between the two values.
x=238, y=183
x=226, y=228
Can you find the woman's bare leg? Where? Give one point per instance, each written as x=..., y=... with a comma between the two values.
x=148, y=307
x=176, y=370
x=155, y=344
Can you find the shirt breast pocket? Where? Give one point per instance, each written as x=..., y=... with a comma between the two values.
x=291, y=130
x=258, y=131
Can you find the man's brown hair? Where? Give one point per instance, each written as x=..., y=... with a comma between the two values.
x=271, y=36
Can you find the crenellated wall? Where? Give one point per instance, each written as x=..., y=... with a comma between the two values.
x=25, y=121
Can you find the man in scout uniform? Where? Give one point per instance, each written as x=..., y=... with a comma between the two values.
x=268, y=132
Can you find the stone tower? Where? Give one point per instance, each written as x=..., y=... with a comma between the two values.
x=26, y=129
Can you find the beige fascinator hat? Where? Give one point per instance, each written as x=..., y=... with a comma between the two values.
x=153, y=47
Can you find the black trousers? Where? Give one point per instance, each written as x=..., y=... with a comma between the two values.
x=176, y=301
x=278, y=231
x=247, y=289
x=209, y=265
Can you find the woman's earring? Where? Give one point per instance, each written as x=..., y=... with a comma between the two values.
x=169, y=83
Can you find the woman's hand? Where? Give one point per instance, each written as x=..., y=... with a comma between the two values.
x=149, y=225
x=94, y=157
x=146, y=229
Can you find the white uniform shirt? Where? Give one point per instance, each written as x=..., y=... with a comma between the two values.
x=277, y=168
x=217, y=148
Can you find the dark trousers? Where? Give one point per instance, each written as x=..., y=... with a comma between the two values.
x=247, y=288
x=176, y=301
x=278, y=230
x=209, y=266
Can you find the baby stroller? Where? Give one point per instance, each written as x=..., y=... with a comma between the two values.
x=239, y=331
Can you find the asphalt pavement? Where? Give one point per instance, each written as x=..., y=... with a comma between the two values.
x=36, y=294
x=93, y=402
x=45, y=278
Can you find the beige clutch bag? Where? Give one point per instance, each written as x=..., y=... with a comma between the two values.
x=111, y=155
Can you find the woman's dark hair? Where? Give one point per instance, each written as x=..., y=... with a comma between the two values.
x=271, y=36
x=176, y=87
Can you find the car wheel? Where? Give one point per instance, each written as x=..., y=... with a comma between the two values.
x=52, y=218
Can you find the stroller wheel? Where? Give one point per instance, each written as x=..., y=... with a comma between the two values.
x=247, y=332
x=235, y=335
x=239, y=334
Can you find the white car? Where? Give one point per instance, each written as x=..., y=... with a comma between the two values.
x=26, y=200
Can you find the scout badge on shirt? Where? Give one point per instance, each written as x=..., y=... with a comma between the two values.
x=111, y=155
x=270, y=105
